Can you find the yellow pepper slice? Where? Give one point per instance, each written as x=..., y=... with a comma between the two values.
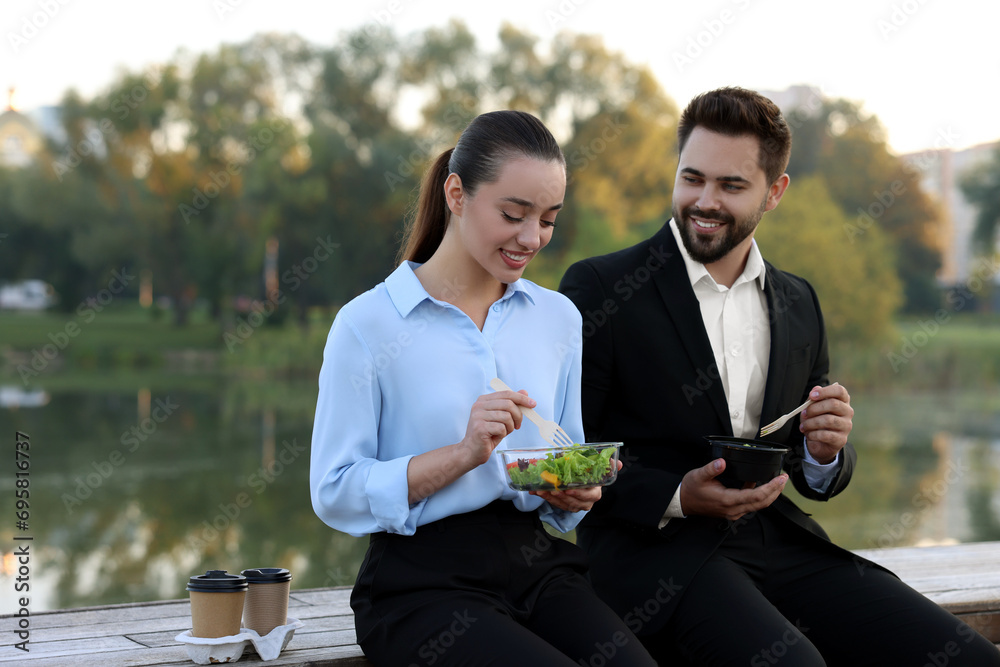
x=549, y=477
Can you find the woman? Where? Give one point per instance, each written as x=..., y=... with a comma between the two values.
x=459, y=569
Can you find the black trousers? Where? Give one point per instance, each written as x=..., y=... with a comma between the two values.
x=486, y=588
x=773, y=596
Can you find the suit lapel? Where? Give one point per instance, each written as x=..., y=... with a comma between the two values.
x=675, y=290
x=777, y=304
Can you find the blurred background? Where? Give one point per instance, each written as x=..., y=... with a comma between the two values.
x=189, y=191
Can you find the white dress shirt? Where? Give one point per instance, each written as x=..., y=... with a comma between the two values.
x=739, y=329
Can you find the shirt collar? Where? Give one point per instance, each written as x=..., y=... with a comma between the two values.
x=754, y=269
x=406, y=291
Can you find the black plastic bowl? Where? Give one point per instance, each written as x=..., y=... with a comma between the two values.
x=747, y=460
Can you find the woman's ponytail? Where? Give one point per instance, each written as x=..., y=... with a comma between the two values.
x=425, y=229
x=485, y=145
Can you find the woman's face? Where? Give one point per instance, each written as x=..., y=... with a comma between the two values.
x=506, y=222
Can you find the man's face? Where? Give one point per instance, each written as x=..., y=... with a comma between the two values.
x=720, y=194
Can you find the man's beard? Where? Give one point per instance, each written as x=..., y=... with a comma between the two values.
x=709, y=249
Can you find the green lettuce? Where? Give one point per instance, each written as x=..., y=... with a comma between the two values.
x=583, y=466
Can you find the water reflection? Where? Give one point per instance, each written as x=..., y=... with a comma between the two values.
x=133, y=492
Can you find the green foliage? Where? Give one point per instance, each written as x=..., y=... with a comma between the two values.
x=855, y=279
x=874, y=188
x=981, y=186
x=192, y=170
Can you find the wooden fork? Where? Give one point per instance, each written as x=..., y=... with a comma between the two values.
x=782, y=420
x=551, y=431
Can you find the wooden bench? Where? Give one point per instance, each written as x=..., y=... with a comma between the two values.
x=143, y=634
x=965, y=579
x=962, y=578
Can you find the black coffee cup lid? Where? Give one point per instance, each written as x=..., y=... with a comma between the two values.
x=267, y=575
x=217, y=581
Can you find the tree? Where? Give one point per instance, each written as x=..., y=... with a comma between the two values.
x=981, y=186
x=807, y=234
x=177, y=143
x=39, y=238
x=616, y=125
x=848, y=150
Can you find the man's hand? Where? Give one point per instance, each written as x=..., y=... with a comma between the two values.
x=702, y=494
x=827, y=422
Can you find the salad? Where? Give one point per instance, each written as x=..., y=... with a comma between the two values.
x=568, y=468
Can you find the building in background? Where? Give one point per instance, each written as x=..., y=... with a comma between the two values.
x=20, y=138
x=942, y=170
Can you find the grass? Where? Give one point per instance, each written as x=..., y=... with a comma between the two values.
x=925, y=353
x=125, y=343
x=115, y=327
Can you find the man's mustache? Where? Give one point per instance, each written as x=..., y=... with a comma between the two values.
x=698, y=213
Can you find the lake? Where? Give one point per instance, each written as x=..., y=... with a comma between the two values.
x=132, y=492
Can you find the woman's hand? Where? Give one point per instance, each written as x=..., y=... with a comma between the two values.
x=573, y=500
x=493, y=417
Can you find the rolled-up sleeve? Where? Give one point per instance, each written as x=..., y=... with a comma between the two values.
x=351, y=490
x=570, y=416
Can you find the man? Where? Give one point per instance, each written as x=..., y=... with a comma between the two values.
x=691, y=333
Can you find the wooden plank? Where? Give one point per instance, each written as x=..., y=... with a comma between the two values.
x=162, y=648
x=176, y=656
x=961, y=578
x=95, y=645
x=965, y=579
x=125, y=613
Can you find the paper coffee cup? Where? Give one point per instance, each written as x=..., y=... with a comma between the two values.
x=266, y=605
x=216, y=603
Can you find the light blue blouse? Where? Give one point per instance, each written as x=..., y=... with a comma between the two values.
x=401, y=371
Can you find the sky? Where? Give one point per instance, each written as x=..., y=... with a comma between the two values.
x=928, y=69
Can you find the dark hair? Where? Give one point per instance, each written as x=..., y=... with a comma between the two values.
x=490, y=140
x=736, y=112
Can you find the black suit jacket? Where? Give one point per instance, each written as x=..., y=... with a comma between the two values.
x=650, y=380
